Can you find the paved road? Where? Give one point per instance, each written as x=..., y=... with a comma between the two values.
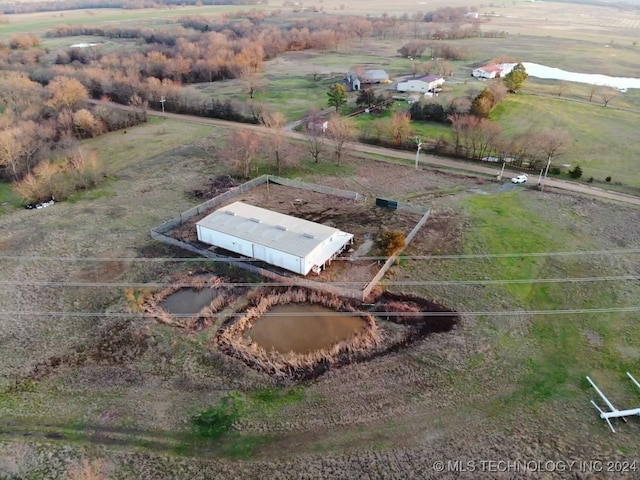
x=424, y=159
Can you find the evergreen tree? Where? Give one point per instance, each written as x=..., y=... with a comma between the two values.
x=337, y=96
x=516, y=78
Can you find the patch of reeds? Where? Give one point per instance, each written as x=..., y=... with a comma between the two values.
x=232, y=340
x=152, y=303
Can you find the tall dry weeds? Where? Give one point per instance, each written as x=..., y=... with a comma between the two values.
x=232, y=336
x=152, y=303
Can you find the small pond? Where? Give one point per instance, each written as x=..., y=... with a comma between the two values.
x=302, y=328
x=188, y=301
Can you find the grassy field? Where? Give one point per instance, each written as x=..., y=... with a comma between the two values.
x=556, y=351
x=39, y=23
x=604, y=139
x=144, y=394
x=423, y=130
x=122, y=149
x=500, y=386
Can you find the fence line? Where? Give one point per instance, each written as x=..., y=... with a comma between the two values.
x=158, y=233
x=316, y=188
x=393, y=258
x=209, y=204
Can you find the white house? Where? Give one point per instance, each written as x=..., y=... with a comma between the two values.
x=288, y=242
x=488, y=71
x=424, y=84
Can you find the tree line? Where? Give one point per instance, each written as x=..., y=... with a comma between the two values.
x=39, y=130
x=45, y=6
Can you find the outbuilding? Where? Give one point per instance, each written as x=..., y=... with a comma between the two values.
x=488, y=71
x=282, y=240
x=425, y=84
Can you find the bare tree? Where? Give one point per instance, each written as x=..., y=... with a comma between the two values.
x=341, y=131
x=315, y=137
x=561, y=88
x=11, y=151
x=240, y=151
x=607, y=94
x=593, y=89
x=276, y=139
x=253, y=81
x=552, y=143
x=400, y=127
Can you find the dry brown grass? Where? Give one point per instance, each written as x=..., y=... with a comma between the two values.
x=231, y=338
x=86, y=469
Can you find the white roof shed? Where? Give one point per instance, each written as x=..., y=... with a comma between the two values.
x=283, y=240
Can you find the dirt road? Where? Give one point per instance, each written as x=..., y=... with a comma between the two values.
x=387, y=152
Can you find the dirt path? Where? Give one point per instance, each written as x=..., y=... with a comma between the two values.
x=387, y=152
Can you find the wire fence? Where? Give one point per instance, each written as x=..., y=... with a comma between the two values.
x=160, y=233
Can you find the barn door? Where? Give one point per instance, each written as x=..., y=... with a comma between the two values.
x=259, y=252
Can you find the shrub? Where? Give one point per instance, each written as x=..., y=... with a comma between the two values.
x=575, y=172
x=214, y=422
x=391, y=241
x=61, y=179
x=608, y=179
x=590, y=180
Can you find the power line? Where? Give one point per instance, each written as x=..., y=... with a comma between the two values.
x=631, y=251
x=503, y=313
x=615, y=278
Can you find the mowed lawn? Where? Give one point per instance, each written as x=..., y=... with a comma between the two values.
x=605, y=141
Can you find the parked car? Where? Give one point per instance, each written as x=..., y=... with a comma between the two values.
x=520, y=179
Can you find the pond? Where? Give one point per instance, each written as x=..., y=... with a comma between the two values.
x=188, y=301
x=552, y=73
x=302, y=328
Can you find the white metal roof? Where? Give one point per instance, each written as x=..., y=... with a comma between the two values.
x=272, y=229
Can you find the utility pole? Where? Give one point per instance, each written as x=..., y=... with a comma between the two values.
x=501, y=171
x=546, y=170
x=418, y=151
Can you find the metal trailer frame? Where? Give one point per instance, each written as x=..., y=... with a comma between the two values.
x=614, y=412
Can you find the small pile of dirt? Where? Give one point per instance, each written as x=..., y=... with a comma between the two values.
x=215, y=186
x=418, y=313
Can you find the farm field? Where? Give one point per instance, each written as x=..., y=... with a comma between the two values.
x=40, y=22
x=135, y=384
x=533, y=290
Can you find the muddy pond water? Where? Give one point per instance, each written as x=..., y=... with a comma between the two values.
x=188, y=300
x=284, y=331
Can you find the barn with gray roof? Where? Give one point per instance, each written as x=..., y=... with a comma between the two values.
x=282, y=240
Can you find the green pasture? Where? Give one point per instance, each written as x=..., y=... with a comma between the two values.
x=544, y=357
x=292, y=95
x=604, y=140
x=367, y=124
x=8, y=198
x=557, y=352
